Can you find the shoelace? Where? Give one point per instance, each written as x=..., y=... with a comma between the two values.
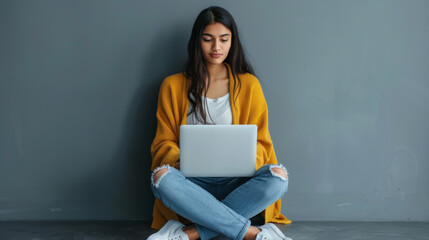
x=179, y=237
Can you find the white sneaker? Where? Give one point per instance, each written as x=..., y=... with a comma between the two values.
x=270, y=231
x=172, y=230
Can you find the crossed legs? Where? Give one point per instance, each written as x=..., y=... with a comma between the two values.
x=268, y=185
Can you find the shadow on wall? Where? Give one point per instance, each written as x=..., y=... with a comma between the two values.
x=125, y=177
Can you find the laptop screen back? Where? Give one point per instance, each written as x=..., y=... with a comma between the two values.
x=218, y=150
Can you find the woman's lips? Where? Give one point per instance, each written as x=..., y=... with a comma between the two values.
x=216, y=55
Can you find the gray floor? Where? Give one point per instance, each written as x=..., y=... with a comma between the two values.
x=121, y=230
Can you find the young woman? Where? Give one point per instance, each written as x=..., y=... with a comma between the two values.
x=218, y=86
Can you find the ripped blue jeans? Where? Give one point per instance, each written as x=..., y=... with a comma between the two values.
x=220, y=205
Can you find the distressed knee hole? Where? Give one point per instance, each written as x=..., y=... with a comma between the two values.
x=279, y=171
x=158, y=174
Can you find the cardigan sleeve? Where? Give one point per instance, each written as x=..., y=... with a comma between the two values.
x=164, y=148
x=259, y=115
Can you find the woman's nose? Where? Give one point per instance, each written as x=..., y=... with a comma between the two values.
x=216, y=45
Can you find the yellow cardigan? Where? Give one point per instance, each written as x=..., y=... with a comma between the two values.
x=173, y=103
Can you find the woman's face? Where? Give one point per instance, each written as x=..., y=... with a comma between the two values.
x=216, y=39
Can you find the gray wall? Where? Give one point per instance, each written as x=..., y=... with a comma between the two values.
x=347, y=85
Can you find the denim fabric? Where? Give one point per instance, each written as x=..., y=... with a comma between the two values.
x=220, y=205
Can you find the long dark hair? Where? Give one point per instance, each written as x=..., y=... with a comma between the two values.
x=195, y=69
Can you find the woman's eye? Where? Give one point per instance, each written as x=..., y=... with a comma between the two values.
x=208, y=40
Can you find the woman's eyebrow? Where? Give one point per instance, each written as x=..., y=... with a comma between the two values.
x=208, y=34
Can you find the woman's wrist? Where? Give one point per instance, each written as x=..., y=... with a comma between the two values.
x=177, y=164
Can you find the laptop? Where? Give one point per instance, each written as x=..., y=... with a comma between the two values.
x=218, y=150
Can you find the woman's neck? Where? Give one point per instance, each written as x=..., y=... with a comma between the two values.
x=217, y=71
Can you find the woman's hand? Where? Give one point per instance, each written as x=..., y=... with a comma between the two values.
x=177, y=165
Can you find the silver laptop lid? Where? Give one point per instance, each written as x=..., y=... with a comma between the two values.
x=218, y=150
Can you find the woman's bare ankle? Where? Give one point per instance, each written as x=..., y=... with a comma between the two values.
x=191, y=231
x=251, y=233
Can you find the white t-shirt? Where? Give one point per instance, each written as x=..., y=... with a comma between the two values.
x=219, y=109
